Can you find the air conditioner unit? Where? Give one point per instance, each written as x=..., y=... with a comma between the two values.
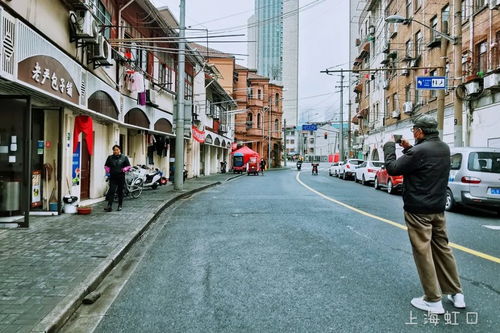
x=396, y=114
x=81, y=4
x=386, y=60
x=494, y=4
x=492, y=81
x=472, y=87
x=223, y=128
x=83, y=26
x=408, y=107
x=405, y=72
x=387, y=47
x=387, y=83
x=151, y=97
x=102, y=53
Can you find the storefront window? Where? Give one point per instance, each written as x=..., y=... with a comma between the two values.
x=15, y=142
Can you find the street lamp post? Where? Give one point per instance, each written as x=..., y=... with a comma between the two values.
x=179, y=131
x=457, y=45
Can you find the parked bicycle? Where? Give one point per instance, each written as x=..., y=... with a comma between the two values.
x=134, y=184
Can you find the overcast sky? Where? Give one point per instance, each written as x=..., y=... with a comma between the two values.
x=324, y=38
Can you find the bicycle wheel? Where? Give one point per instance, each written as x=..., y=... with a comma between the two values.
x=136, y=190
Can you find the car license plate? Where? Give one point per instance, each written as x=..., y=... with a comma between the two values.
x=495, y=191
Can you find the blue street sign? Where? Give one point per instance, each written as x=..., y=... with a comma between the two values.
x=432, y=82
x=312, y=127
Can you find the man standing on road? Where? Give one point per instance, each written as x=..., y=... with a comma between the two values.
x=426, y=168
x=262, y=165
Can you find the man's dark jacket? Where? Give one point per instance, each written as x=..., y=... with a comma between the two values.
x=425, y=169
x=116, y=163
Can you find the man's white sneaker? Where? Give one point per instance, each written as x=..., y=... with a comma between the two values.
x=433, y=307
x=457, y=300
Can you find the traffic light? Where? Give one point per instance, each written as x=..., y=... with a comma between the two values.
x=326, y=136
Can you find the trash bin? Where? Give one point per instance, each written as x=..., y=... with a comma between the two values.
x=70, y=203
x=9, y=192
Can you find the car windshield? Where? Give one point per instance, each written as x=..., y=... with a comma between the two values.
x=484, y=162
x=378, y=164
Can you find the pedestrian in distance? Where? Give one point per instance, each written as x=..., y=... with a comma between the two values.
x=426, y=168
x=262, y=166
x=116, y=165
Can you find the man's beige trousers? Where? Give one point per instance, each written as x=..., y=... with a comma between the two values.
x=435, y=262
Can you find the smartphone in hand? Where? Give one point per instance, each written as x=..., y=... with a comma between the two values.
x=397, y=138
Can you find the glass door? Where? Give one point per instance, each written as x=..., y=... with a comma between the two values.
x=15, y=159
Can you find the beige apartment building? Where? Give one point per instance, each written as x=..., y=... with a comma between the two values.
x=386, y=98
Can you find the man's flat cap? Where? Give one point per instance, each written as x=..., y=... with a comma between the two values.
x=425, y=122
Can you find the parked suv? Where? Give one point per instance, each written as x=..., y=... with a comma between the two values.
x=348, y=169
x=334, y=169
x=474, y=178
x=391, y=183
x=365, y=172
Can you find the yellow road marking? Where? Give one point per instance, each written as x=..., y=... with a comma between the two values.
x=395, y=224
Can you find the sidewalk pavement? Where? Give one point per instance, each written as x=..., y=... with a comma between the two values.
x=46, y=270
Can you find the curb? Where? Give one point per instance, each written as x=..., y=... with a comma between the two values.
x=64, y=309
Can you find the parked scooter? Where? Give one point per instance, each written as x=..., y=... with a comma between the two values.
x=299, y=165
x=152, y=177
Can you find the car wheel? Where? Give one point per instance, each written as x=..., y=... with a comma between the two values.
x=363, y=180
x=450, y=202
x=390, y=188
x=329, y=173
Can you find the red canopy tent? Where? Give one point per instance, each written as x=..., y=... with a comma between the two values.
x=247, y=153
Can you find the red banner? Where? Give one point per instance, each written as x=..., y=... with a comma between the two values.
x=198, y=135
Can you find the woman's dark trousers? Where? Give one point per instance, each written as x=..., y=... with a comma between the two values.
x=116, y=183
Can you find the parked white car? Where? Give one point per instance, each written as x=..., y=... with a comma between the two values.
x=348, y=169
x=474, y=178
x=365, y=172
x=334, y=169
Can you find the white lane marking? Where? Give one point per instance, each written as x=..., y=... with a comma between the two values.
x=493, y=227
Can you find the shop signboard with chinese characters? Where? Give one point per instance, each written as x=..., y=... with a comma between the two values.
x=48, y=74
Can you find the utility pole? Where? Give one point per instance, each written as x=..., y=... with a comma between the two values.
x=341, y=114
x=341, y=107
x=269, y=113
x=349, y=132
x=457, y=50
x=284, y=142
x=179, y=131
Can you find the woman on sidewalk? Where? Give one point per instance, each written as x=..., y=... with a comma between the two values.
x=116, y=165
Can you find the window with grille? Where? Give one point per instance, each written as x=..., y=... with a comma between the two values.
x=103, y=18
x=408, y=48
x=409, y=11
x=482, y=57
x=445, y=19
x=418, y=43
x=434, y=25
x=466, y=8
x=418, y=4
x=479, y=4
